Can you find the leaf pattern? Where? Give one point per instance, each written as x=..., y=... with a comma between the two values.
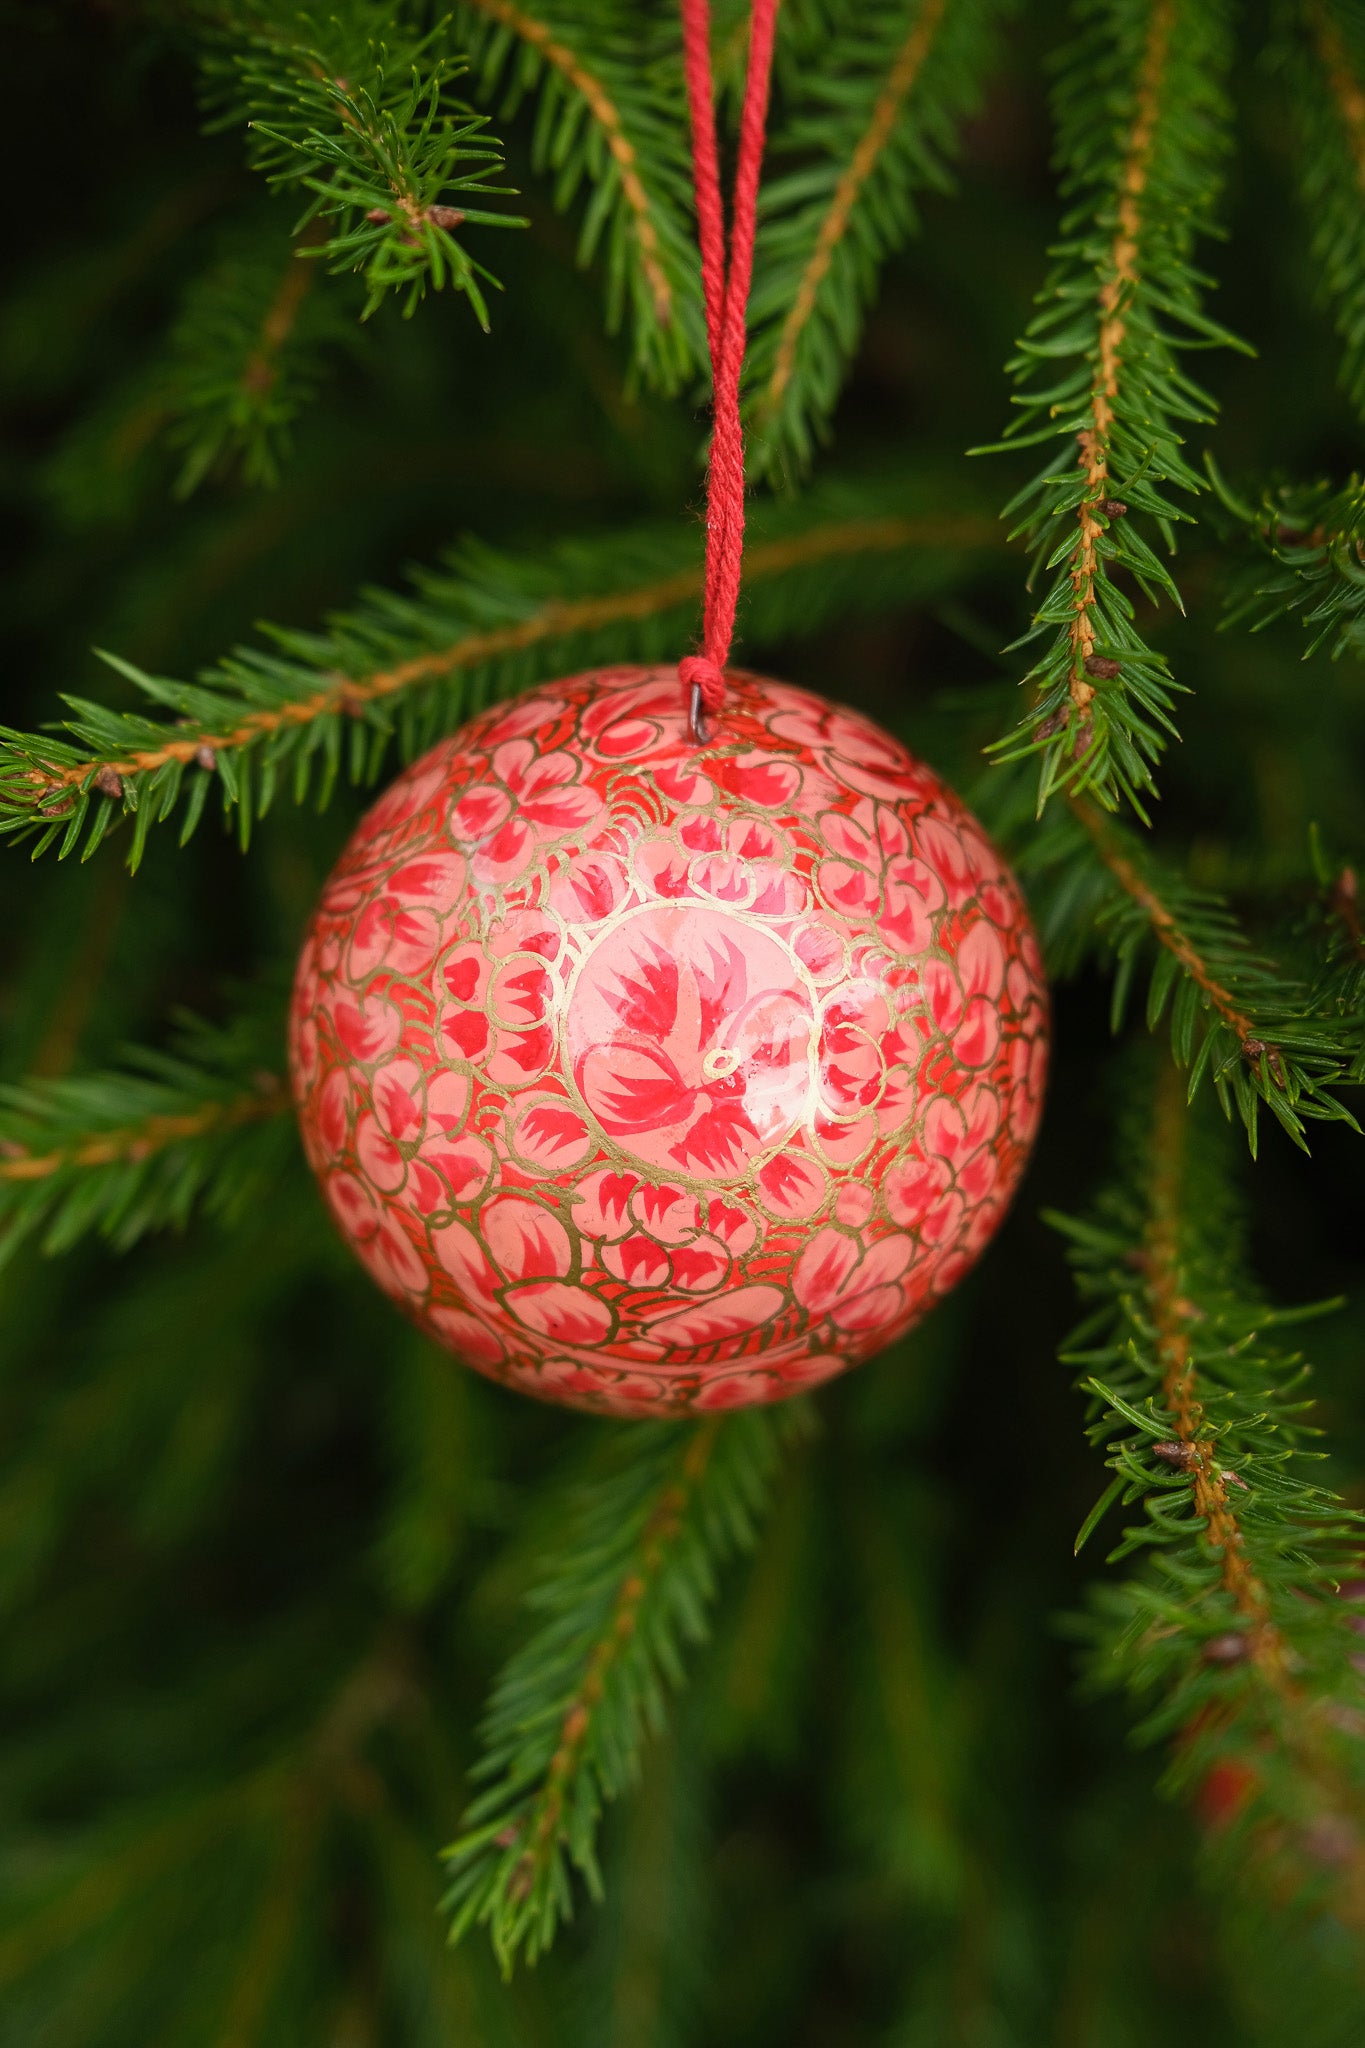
x=650, y=1077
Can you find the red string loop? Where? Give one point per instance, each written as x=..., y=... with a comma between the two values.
x=725, y=283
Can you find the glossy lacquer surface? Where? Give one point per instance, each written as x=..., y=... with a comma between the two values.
x=649, y=1076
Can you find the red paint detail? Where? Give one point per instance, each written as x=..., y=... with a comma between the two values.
x=709, y=1143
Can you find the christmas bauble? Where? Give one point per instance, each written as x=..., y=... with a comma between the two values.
x=651, y=1076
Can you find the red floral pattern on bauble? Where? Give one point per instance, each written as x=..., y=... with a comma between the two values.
x=650, y=1077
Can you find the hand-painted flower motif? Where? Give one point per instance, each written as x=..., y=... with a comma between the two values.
x=651, y=1077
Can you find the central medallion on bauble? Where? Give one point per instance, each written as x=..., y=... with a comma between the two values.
x=650, y=1076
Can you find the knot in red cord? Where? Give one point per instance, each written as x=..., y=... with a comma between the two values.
x=699, y=672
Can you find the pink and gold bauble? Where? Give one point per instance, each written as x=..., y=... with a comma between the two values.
x=650, y=1076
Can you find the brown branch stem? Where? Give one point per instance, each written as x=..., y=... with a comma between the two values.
x=900, y=80
x=141, y=1141
x=1345, y=906
x=1306, y=1728
x=1115, y=294
x=558, y=617
x=281, y=316
x=1176, y=941
x=659, y=1533
x=604, y=111
x=1344, y=86
x=1173, y=1318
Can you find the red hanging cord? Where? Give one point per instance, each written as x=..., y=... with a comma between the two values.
x=726, y=287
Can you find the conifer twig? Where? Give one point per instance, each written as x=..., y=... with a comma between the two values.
x=580, y=79
x=612, y=120
x=243, y=358
x=1142, y=891
x=552, y=621
x=1325, y=68
x=1231, y=1626
x=909, y=62
x=136, y=1148
x=1345, y=907
x=663, y=1524
x=261, y=371
x=1099, y=371
x=1259, y=1031
x=138, y=1142
x=270, y=1939
x=483, y=625
x=1348, y=94
x=1309, y=549
x=369, y=129
x=1084, y=567
x=876, y=102
x=631, y=1582
x=1174, y=1319
x=1336, y=937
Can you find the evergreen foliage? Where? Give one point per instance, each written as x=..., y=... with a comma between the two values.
x=1232, y=1628
x=1308, y=542
x=134, y=1149
x=877, y=104
x=288, y=1591
x=610, y=132
x=308, y=708
x=354, y=109
x=1258, y=1030
x=366, y=124
x=1141, y=134
x=1336, y=935
x=245, y=358
x=629, y=1588
x=1322, y=53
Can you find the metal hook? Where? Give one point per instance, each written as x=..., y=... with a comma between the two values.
x=696, y=718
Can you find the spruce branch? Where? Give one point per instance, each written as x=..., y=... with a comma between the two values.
x=1099, y=371
x=1321, y=53
x=1309, y=560
x=1230, y=1628
x=1260, y=1032
x=308, y=705
x=245, y=359
x=392, y=162
x=878, y=102
x=630, y=1585
x=135, y=1148
x=610, y=123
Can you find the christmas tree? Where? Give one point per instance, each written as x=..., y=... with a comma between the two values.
x=1008, y=1690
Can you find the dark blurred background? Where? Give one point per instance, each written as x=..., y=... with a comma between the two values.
x=231, y=1533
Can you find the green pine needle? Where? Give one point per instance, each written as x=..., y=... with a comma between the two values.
x=873, y=108
x=306, y=708
x=137, y=1148
x=611, y=134
x=629, y=1587
x=1309, y=560
x=1261, y=1033
x=1142, y=131
x=246, y=358
x=1320, y=53
x=391, y=162
x=1228, y=1628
